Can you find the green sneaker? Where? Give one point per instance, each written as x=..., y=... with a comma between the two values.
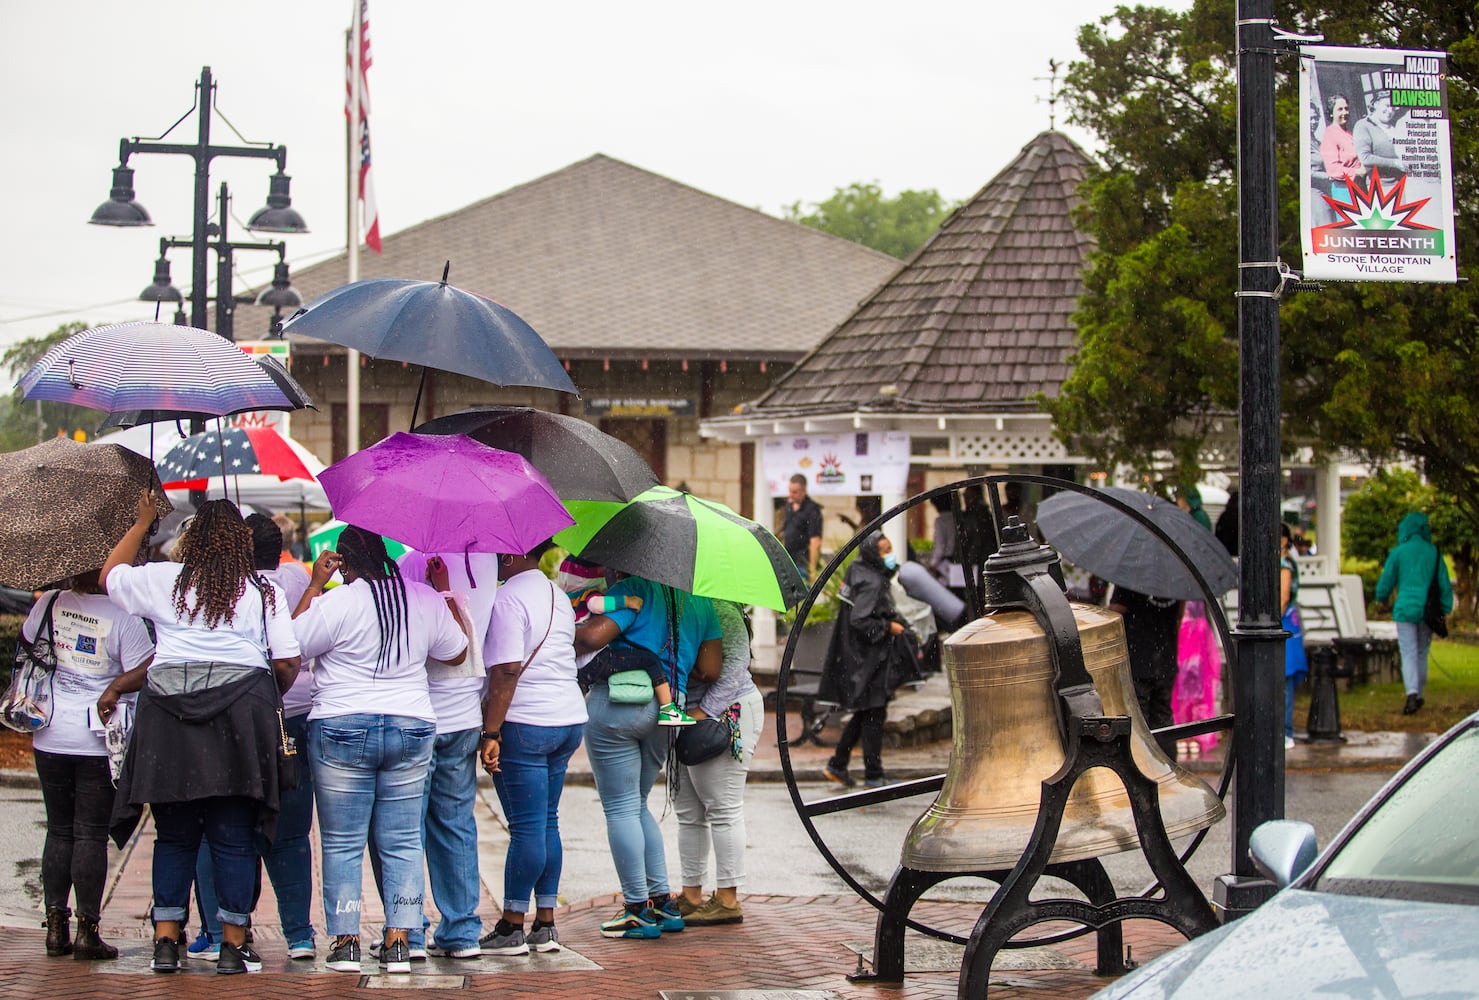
x=671, y=715
x=632, y=925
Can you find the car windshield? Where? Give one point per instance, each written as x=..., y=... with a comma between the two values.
x=1423, y=841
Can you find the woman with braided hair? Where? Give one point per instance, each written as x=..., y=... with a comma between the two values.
x=371, y=731
x=208, y=728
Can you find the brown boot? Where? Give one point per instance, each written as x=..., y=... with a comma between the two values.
x=90, y=947
x=58, y=931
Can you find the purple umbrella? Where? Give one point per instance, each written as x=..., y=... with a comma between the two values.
x=163, y=370
x=445, y=493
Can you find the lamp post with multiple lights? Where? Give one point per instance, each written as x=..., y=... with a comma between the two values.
x=278, y=216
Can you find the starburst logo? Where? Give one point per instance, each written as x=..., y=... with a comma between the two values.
x=1377, y=219
x=831, y=470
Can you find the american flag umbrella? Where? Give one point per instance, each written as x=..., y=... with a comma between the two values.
x=234, y=451
x=158, y=371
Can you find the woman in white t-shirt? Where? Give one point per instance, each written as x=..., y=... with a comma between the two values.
x=208, y=730
x=371, y=731
x=533, y=721
x=94, y=642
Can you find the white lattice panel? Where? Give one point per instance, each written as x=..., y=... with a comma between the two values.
x=1008, y=447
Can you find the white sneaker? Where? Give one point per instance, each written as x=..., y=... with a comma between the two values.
x=1288, y=743
x=462, y=951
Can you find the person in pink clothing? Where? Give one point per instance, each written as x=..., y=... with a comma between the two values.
x=1338, y=148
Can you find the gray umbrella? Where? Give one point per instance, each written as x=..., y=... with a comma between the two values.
x=1114, y=546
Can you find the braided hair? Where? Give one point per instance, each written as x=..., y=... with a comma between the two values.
x=215, y=554
x=364, y=555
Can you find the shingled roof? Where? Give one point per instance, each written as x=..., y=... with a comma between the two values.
x=605, y=259
x=977, y=319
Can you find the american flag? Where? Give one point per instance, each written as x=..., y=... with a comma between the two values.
x=235, y=451
x=361, y=118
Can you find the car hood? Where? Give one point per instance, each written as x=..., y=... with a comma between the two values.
x=1304, y=943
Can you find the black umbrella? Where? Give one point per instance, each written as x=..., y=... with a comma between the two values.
x=1113, y=545
x=581, y=461
x=65, y=505
x=434, y=325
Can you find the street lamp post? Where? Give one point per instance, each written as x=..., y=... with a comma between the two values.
x=277, y=217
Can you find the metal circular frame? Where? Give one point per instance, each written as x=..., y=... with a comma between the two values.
x=806, y=811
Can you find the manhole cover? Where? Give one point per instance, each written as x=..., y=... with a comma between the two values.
x=423, y=981
x=747, y=995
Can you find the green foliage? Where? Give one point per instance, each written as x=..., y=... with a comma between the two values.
x=20, y=426
x=860, y=212
x=1379, y=369
x=1368, y=520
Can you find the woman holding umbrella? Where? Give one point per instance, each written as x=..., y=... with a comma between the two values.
x=371, y=731
x=94, y=643
x=224, y=650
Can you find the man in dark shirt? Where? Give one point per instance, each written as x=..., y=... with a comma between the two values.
x=1152, y=625
x=801, y=532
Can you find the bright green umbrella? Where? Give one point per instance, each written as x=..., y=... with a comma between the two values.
x=324, y=537
x=687, y=542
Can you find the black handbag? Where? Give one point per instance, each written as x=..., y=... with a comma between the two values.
x=1433, y=616
x=704, y=740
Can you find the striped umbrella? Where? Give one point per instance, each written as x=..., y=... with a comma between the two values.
x=165, y=371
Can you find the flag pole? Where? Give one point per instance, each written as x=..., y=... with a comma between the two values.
x=352, y=181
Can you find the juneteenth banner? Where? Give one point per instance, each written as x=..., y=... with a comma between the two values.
x=863, y=463
x=1378, y=205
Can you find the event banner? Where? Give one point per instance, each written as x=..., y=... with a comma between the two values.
x=838, y=464
x=1378, y=205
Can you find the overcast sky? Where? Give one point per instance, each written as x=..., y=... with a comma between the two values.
x=762, y=103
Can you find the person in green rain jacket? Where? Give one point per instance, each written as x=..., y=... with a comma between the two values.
x=1409, y=572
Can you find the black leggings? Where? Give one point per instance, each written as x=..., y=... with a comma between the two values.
x=78, y=792
x=867, y=723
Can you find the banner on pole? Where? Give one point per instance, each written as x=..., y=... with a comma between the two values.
x=838, y=464
x=1378, y=202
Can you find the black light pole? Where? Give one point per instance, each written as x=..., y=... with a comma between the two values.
x=1258, y=736
x=278, y=217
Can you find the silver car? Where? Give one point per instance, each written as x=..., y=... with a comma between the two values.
x=1390, y=909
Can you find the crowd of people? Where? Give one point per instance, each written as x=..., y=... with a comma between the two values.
x=368, y=692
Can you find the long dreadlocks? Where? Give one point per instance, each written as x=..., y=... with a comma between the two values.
x=364, y=555
x=216, y=557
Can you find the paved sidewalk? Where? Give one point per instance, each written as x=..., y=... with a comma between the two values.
x=786, y=947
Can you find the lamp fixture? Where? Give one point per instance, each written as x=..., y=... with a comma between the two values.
x=279, y=216
x=120, y=209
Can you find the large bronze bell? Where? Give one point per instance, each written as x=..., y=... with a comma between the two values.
x=1007, y=740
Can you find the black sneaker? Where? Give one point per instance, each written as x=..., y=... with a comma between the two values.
x=395, y=956
x=840, y=776
x=343, y=954
x=166, y=955
x=234, y=961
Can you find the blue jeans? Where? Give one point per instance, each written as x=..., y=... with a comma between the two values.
x=229, y=824
x=531, y=776
x=627, y=748
x=1413, y=641
x=290, y=863
x=449, y=835
x=370, y=768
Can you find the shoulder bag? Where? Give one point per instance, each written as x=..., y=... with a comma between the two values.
x=27, y=704
x=1433, y=616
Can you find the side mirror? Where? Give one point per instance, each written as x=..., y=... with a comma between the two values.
x=1283, y=849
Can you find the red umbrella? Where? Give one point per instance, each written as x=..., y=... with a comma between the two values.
x=234, y=451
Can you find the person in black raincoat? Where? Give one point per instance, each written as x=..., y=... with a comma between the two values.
x=857, y=674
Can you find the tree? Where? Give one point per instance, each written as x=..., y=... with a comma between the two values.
x=860, y=212
x=1379, y=369
x=23, y=424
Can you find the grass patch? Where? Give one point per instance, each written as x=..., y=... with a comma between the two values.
x=1452, y=694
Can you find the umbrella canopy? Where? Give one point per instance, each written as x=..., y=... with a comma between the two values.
x=687, y=542
x=231, y=451
x=155, y=440
x=445, y=493
x=1113, y=545
x=66, y=504
x=581, y=461
x=138, y=372
x=436, y=325
x=326, y=536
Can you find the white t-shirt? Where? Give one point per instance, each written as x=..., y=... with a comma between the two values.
x=529, y=608
x=292, y=579
x=149, y=591
x=340, y=628
x=95, y=642
x=458, y=701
